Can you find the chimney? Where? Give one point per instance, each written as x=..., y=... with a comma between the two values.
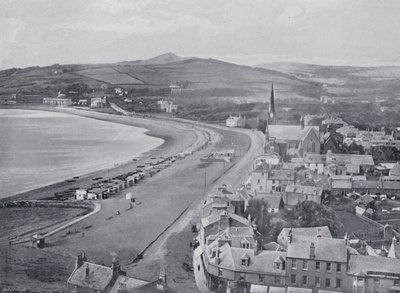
x=217, y=259
x=162, y=275
x=302, y=122
x=312, y=250
x=87, y=271
x=80, y=259
x=290, y=236
x=116, y=268
x=319, y=234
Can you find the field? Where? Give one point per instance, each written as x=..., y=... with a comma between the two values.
x=352, y=223
x=18, y=222
x=109, y=75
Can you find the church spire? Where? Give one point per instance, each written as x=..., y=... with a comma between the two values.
x=271, y=110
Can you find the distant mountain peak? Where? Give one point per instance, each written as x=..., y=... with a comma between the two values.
x=168, y=57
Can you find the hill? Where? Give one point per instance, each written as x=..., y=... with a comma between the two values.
x=348, y=82
x=199, y=77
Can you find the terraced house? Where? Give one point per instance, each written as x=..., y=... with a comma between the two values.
x=231, y=258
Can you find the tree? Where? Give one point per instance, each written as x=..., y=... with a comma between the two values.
x=258, y=210
x=311, y=214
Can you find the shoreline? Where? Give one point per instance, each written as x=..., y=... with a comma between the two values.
x=151, y=127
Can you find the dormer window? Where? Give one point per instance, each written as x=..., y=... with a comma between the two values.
x=279, y=263
x=245, y=243
x=245, y=260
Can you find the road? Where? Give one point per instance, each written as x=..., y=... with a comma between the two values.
x=233, y=178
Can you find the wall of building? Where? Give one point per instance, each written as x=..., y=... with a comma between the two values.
x=312, y=273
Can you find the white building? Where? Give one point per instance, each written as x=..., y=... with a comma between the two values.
x=98, y=102
x=235, y=121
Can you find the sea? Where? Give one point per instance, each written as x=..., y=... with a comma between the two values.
x=38, y=148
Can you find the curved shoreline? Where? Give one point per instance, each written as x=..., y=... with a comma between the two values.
x=174, y=135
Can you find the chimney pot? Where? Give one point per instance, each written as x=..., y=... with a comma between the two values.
x=312, y=250
x=87, y=271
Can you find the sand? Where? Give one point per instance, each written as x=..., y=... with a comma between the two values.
x=162, y=198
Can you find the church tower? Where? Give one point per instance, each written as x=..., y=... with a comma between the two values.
x=271, y=110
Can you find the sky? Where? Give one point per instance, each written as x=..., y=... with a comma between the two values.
x=344, y=32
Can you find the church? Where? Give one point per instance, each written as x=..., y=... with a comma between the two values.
x=289, y=140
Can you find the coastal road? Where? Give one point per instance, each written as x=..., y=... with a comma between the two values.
x=162, y=198
x=233, y=178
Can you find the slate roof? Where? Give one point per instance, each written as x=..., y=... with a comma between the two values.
x=99, y=276
x=304, y=189
x=314, y=158
x=263, y=167
x=207, y=221
x=263, y=262
x=326, y=249
x=278, y=174
x=341, y=184
x=273, y=200
x=128, y=283
x=350, y=159
x=365, y=264
x=369, y=184
x=395, y=171
x=291, y=132
x=309, y=231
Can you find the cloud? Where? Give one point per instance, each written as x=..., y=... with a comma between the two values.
x=56, y=31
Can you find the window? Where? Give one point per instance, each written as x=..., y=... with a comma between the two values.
x=258, y=181
x=293, y=264
x=338, y=268
x=317, y=266
x=304, y=280
x=293, y=279
x=376, y=281
x=317, y=282
x=273, y=181
x=313, y=147
x=244, y=262
x=396, y=283
x=219, y=272
x=277, y=266
x=305, y=265
x=277, y=280
x=338, y=283
x=328, y=266
x=260, y=187
x=198, y=267
x=261, y=279
x=241, y=277
x=327, y=282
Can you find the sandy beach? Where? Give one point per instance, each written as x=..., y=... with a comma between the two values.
x=171, y=195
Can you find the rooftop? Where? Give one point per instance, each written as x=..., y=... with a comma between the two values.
x=99, y=276
x=231, y=258
x=395, y=171
x=369, y=264
x=326, y=248
x=314, y=158
x=304, y=189
x=278, y=174
x=127, y=283
x=350, y=159
x=291, y=132
x=309, y=231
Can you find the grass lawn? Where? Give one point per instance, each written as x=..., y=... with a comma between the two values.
x=352, y=223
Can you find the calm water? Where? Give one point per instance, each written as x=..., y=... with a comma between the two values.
x=39, y=148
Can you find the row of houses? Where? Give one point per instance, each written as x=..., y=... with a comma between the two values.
x=167, y=106
x=91, y=277
x=229, y=257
